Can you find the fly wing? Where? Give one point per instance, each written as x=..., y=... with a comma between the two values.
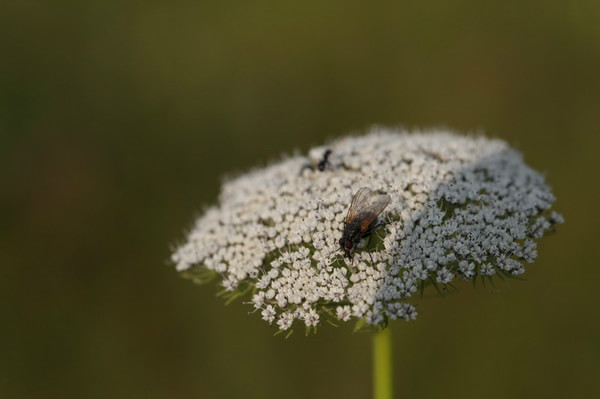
x=377, y=204
x=366, y=206
x=360, y=201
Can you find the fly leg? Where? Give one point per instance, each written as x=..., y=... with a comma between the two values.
x=368, y=251
x=350, y=264
x=372, y=229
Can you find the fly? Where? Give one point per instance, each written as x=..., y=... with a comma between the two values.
x=361, y=220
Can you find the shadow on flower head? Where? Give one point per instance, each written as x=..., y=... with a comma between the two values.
x=478, y=222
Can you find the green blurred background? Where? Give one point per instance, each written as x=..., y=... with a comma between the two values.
x=118, y=121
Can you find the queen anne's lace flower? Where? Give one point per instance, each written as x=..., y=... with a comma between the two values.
x=461, y=206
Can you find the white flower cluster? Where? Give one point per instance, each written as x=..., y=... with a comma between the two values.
x=461, y=206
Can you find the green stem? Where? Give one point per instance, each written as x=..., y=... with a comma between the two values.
x=382, y=364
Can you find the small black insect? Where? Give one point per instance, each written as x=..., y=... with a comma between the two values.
x=324, y=163
x=361, y=220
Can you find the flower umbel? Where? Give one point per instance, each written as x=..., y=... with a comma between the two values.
x=460, y=207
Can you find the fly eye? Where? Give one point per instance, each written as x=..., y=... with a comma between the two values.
x=348, y=244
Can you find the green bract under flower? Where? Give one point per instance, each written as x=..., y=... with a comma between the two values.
x=461, y=207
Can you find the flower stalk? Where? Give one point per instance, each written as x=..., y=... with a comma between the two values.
x=382, y=364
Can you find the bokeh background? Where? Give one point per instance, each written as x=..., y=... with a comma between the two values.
x=118, y=121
